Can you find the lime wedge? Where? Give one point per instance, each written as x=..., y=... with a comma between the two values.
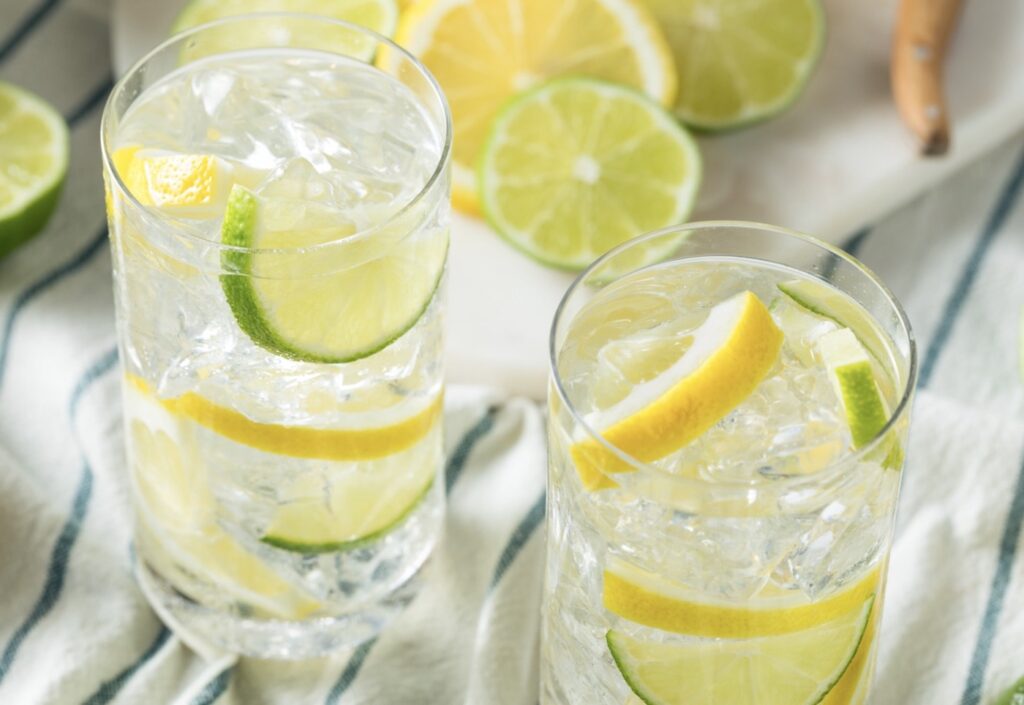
x=318, y=292
x=853, y=378
x=792, y=669
x=577, y=166
x=33, y=163
x=379, y=15
x=739, y=62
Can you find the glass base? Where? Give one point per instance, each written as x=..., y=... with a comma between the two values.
x=213, y=632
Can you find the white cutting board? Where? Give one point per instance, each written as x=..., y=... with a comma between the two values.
x=836, y=161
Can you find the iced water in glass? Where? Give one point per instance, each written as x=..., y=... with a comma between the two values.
x=278, y=196
x=727, y=431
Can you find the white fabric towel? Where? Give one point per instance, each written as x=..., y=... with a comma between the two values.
x=75, y=630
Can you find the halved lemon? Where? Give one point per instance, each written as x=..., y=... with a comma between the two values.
x=485, y=51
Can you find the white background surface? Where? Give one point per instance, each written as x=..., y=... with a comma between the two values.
x=838, y=160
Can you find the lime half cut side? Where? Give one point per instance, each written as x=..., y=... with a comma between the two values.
x=740, y=62
x=312, y=295
x=33, y=164
x=791, y=669
x=578, y=166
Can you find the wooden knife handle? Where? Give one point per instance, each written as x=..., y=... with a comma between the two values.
x=923, y=31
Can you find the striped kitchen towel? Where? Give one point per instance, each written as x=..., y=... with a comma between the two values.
x=75, y=630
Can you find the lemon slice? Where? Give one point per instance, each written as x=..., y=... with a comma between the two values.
x=319, y=295
x=739, y=62
x=345, y=510
x=648, y=599
x=577, y=166
x=731, y=353
x=485, y=51
x=799, y=668
x=33, y=164
x=183, y=185
x=379, y=15
x=177, y=515
x=357, y=443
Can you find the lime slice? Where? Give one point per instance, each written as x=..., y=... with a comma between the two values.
x=344, y=511
x=33, y=163
x=853, y=377
x=577, y=166
x=739, y=62
x=177, y=515
x=648, y=599
x=323, y=294
x=792, y=669
x=394, y=430
x=379, y=15
x=731, y=353
x=484, y=52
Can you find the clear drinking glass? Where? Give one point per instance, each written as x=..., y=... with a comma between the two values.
x=727, y=430
x=278, y=197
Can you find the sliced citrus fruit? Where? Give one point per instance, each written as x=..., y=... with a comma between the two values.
x=325, y=294
x=853, y=378
x=822, y=300
x=177, y=515
x=33, y=164
x=485, y=51
x=380, y=16
x=648, y=599
x=577, y=166
x=739, y=62
x=352, y=443
x=731, y=353
x=341, y=511
x=183, y=185
x=799, y=668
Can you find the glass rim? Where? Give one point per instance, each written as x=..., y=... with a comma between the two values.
x=826, y=473
x=442, y=161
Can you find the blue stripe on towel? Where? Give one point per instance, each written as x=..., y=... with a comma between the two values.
x=40, y=286
x=109, y=689
x=352, y=669
x=57, y=570
x=215, y=688
x=457, y=461
x=997, y=594
x=519, y=537
x=24, y=29
x=968, y=275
